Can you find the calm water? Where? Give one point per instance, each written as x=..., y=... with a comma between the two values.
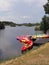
x=9, y=46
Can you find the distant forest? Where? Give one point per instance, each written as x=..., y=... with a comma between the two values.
x=12, y=24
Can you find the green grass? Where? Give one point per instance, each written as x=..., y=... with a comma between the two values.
x=39, y=56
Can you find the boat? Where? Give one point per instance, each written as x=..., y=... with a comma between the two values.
x=40, y=39
x=30, y=40
x=27, y=47
x=28, y=43
x=40, y=36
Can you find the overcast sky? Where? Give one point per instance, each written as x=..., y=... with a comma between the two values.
x=22, y=11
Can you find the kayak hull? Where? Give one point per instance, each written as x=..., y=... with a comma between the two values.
x=26, y=47
x=40, y=36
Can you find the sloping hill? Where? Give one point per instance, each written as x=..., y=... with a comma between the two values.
x=36, y=57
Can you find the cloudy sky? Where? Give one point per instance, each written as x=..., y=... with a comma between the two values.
x=22, y=11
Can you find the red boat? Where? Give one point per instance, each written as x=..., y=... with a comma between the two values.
x=27, y=46
x=28, y=42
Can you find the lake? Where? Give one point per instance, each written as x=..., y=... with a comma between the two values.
x=9, y=46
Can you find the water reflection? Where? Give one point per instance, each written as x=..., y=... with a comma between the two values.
x=1, y=54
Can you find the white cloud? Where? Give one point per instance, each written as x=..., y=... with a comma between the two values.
x=36, y=2
x=6, y=4
x=16, y=11
x=7, y=18
x=29, y=1
x=25, y=17
x=40, y=2
x=16, y=19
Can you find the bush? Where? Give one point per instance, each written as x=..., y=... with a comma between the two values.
x=2, y=25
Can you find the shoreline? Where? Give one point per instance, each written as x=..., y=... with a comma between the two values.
x=34, y=54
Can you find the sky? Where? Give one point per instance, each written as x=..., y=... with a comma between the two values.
x=22, y=11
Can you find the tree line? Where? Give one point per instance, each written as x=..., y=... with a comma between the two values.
x=12, y=24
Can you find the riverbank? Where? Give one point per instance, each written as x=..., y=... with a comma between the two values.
x=39, y=56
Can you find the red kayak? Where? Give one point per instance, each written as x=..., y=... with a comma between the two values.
x=28, y=43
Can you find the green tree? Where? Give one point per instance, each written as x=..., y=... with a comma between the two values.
x=46, y=7
x=44, y=24
x=2, y=25
x=45, y=20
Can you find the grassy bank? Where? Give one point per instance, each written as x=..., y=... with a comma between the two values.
x=39, y=56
